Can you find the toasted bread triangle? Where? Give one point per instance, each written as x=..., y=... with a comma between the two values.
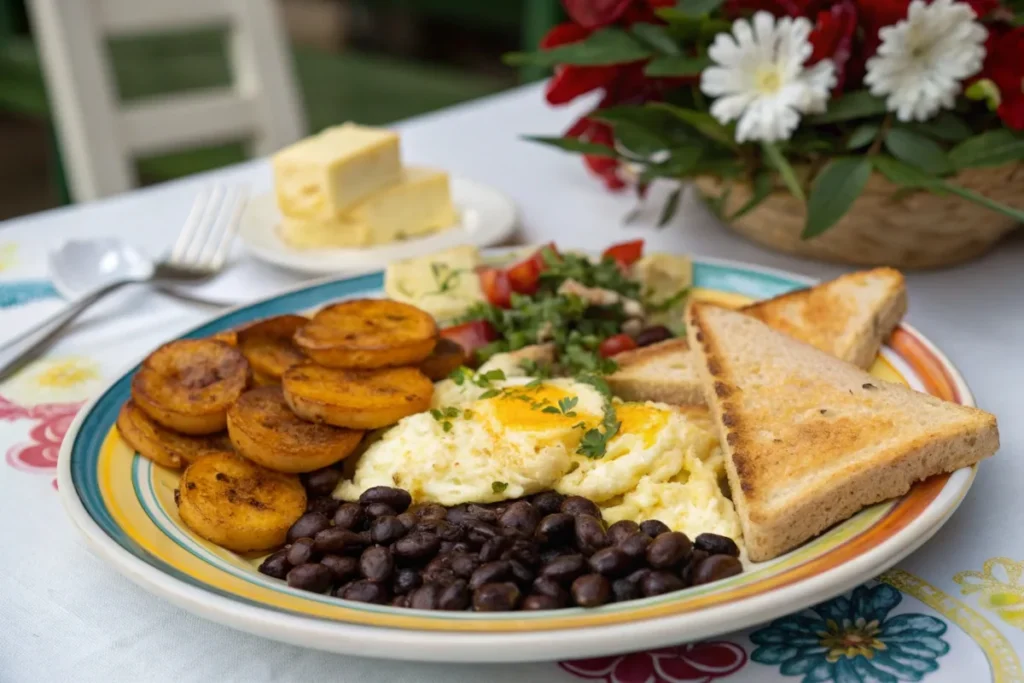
x=810, y=439
x=848, y=317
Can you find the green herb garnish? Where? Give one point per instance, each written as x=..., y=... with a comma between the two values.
x=490, y=393
x=594, y=443
x=499, y=486
x=565, y=407
x=444, y=416
x=667, y=304
x=445, y=277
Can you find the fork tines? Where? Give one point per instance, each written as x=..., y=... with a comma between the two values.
x=205, y=239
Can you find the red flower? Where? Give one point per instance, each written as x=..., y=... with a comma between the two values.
x=606, y=168
x=45, y=437
x=832, y=38
x=877, y=14
x=1004, y=66
x=595, y=14
x=696, y=663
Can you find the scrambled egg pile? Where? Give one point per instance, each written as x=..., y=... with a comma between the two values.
x=517, y=436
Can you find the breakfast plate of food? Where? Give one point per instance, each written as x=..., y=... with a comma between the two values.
x=343, y=202
x=527, y=456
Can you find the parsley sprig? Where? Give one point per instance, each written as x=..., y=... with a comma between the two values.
x=565, y=407
x=445, y=277
x=445, y=416
x=594, y=443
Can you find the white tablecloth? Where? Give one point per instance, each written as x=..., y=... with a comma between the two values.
x=65, y=616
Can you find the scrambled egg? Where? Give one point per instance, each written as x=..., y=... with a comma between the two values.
x=518, y=436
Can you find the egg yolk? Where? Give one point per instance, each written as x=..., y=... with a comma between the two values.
x=537, y=408
x=641, y=420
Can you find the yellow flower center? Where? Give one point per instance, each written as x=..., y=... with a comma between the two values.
x=66, y=374
x=767, y=79
x=850, y=639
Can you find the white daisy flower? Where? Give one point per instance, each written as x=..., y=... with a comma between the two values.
x=923, y=59
x=760, y=79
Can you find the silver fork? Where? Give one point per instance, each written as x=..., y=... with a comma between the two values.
x=200, y=252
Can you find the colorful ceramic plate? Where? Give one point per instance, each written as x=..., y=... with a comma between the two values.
x=124, y=505
x=486, y=218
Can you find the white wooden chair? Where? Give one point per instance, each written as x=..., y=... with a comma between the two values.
x=100, y=136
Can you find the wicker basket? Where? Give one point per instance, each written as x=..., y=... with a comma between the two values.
x=887, y=225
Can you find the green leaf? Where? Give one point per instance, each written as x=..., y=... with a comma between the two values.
x=603, y=47
x=779, y=162
x=656, y=37
x=676, y=66
x=900, y=173
x=680, y=163
x=862, y=136
x=764, y=183
x=946, y=126
x=998, y=207
x=690, y=8
x=833, y=192
x=669, y=209
x=702, y=122
x=639, y=141
x=994, y=148
x=917, y=150
x=575, y=145
x=859, y=104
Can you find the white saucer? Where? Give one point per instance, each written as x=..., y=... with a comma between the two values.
x=486, y=218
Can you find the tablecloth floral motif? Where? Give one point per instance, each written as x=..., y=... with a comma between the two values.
x=20, y=292
x=852, y=639
x=1000, y=588
x=694, y=663
x=51, y=421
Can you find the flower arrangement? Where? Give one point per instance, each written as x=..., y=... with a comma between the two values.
x=806, y=97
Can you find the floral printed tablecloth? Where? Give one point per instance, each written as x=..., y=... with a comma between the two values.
x=951, y=613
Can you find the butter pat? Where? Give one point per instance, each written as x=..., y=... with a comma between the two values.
x=325, y=175
x=421, y=203
x=444, y=284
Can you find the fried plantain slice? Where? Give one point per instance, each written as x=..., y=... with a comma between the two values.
x=229, y=337
x=264, y=429
x=443, y=360
x=368, y=333
x=160, y=444
x=188, y=385
x=268, y=346
x=237, y=504
x=356, y=399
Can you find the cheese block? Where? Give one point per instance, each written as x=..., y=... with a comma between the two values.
x=321, y=233
x=443, y=284
x=324, y=176
x=421, y=203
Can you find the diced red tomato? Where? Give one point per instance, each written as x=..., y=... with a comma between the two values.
x=496, y=286
x=625, y=253
x=524, y=276
x=616, y=344
x=472, y=335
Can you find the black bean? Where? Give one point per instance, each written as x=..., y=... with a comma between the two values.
x=610, y=562
x=668, y=550
x=520, y=516
x=405, y=580
x=442, y=529
x=300, y=552
x=376, y=563
x=460, y=547
x=337, y=540
x=374, y=510
x=408, y=520
x=463, y=565
x=439, y=570
x=349, y=516
x=308, y=525
x=430, y=511
x=310, y=577
x=551, y=553
x=276, y=565
x=397, y=499
x=548, y=502
x=590, y=536
x=322, y=482
x=365, y=591
x=654, y=528
x=481, y=514
x=489, y=573
x=565, y=568
x=696, y=557
x=457, y=514
x=325, y=505
x=455, y=596
x=555, y=529
x=622, y=530
x=543, y=585
x=416, y=546
x=343, y=568
x=521, y=573
x=713, y=544
x=496, y=597
x=659, y=582
x=638, y=576
x=538, y=602
x=523, y=551
x=652, y=335
x=400, y=601
x=479, y=532
x=716, y=568
x=578, y=505
x=492, y=550
x=635, y=546
x=624, y=589
x=386, y=530
x=591, y=590
x=425, y=597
